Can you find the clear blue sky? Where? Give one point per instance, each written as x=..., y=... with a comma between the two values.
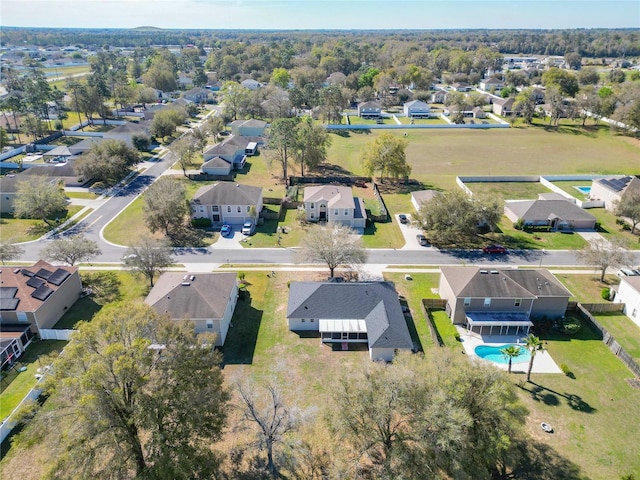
x=322, y=14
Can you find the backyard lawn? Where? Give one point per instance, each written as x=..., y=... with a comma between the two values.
x=508, y=190
x=586, y=287
x=624, y=330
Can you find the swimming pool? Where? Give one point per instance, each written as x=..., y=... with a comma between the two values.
x=493, y=354
x=584, y=190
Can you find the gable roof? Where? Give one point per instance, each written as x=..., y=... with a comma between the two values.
x=59, y=151
x=548, y=209
x=252, y=122
x=374, y=302
x=192, y=296
x=416, y=103
x=474, y=282
x=230, y=146
x=26, y=288
x=633, y=281
x=215, y=162
x=335, y=196
x=423, y=196
x=369, y=104
x=9, y=184
x=225, y=193
x=504, y=102
x=132, y=127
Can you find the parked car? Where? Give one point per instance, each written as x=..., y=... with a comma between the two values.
x=248, y=228
x=627, y=272
x=403, y=218
x=422, y=240
x=494, y=249
x=226, y=230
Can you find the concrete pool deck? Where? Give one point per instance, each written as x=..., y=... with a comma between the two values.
x=542, y=363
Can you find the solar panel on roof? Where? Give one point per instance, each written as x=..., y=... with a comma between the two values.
x=59, y=276
x=8, y=304
x=43, y=273
x=8, y=292
x=27, y=273
x=42, y=293
x=35, y=282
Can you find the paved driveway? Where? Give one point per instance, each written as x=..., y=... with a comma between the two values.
x=409, y=233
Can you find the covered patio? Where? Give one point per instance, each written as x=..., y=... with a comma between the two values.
x=340, y=330
x=505, y=323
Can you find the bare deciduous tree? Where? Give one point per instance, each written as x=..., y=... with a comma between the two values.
x=334, y=245
x=70, y=250
x=604, y=254
x=9, y=251
x=148, y=257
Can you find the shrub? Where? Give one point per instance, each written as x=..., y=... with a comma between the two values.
x=457, y=336
x=566, y=370
x=570, y=325
x=241, y=275
x=201, y=222
x=519, y=225
x=605, y=293
x=141, y=142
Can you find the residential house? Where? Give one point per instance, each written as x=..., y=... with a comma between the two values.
x=57, y=172
x=184, y=82
x=421, y=197
x=60, y=154
x=197, y=95
x=232, y=150
x=248, y=128
x=503, y=106
x=226, y=202
x=538, y=95
x=125, y=133
x=251, y=84
x=206, y=299
x=492, y=84
x=333, y=203
x=84, y=146
x=8, y=191
x=611, y=190
x=461, y=87
x=417, y=109
x=506, y=300
x=628, y=292
x=216, y=166
x=370, y=110
x=37, y=296
x=348, y=313
x=14, y=340
x=555, y=214
x=478, y=112
x=439, y=96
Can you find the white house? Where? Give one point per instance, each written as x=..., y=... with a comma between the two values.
x=216, y=166
x=332, y=203
x=491, y=84
x=629, y=294
x=610, y=190
x=369, y=110
x=351, y=313
x=206, y=299
x=227, y=202
x=417, y=109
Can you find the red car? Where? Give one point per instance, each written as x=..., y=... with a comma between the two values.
x=494, y=249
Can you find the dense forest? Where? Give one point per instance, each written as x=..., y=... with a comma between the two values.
x=586, y=42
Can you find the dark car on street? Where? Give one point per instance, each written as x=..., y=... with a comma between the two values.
x=494, y=249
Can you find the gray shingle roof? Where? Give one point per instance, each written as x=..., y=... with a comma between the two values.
x=532, y=210
x=474, y=282
x=215, y=162
x=374, y=302
x=421, y=196
x=225, y=193
x=206, y=296
x=335, y=196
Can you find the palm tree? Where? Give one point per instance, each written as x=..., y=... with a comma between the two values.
x=510, y=352
x=533, y=344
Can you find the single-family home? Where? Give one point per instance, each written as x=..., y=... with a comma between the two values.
x=8, y=191
x=125, y=133
x=14, y=340
x=227, y=202
x=336, y=78
x=503, y=106
x=478, y=112
x=216, y=166
x=417, y=109
x=538, y=95
x=507, y=301
x=185, y=81
x=60, y=154
x=84, y=146
x=628, y=292
x=610, y=190
x=37, y=296
x=439, y=96
x=251, y=84
x=233, y=150
x=206, y=299
x=421, y=197
x=57, y=172
x=351, y=313
x=248, y=128
x=492, y=84
x=334, y=203
x=370, y=110
x=461, y=87
x=555, y=214
x=197, y=95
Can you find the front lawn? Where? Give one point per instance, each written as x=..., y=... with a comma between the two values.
x=586, y=288
x=521, y=239
x=611, y=230
x=26, y=229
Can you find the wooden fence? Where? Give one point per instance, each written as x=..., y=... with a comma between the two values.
x=427, y=305
x=203, y=177
x=384, y=213
x=346, y=180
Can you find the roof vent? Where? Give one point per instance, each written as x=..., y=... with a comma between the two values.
x=484, y=272
x=17, y=270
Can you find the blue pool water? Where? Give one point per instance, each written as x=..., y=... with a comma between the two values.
x=494, y=355
x=584, y=190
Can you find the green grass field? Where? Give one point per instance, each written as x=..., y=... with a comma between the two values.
x=24, y=229
x=626, y=332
